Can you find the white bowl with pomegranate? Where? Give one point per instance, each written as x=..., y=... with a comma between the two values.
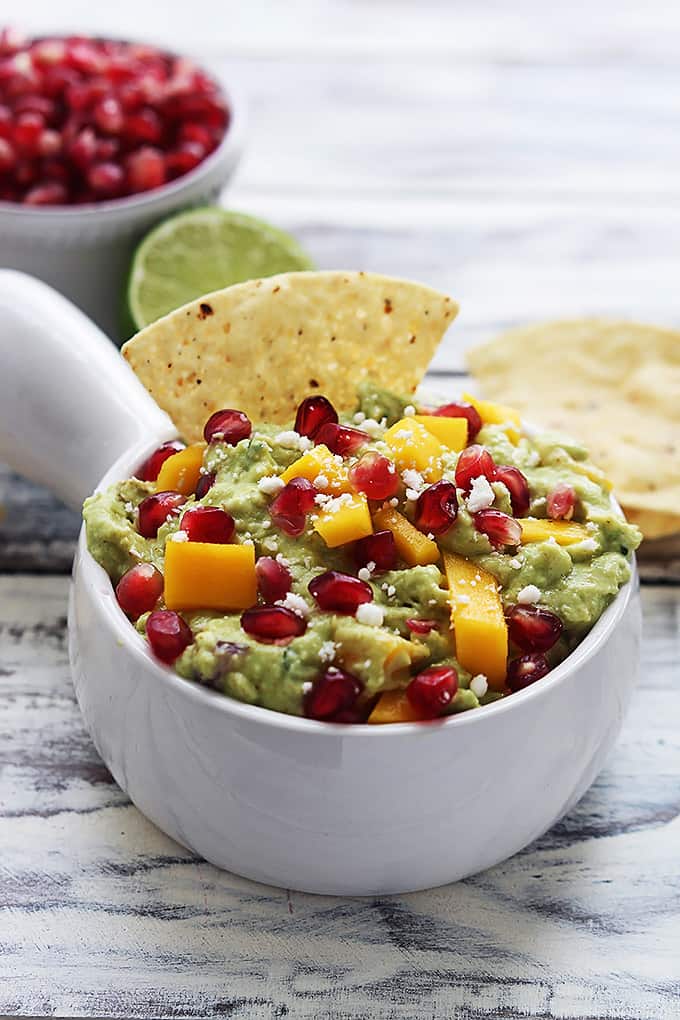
x=99, y=140
x=320, y=806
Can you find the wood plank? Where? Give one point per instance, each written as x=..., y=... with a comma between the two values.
x=102, y=915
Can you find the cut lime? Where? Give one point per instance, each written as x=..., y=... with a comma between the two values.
x=200, y=251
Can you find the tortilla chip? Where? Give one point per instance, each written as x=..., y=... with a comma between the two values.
x=613, y=385
x=264, y=345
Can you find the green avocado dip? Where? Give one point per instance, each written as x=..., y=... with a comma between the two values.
x=340, y=572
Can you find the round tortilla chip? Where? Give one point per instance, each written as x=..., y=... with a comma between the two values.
x=264, y=345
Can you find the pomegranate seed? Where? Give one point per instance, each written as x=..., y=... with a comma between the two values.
x=185, y=157
x=190, y=132
x=312, y=413
x=82, y=56
x=49, y=143
x=83, y=149
x=436, y=508
x=146, y=169
x=526, y=670
x=51, y=193
x=290, y=508
x=431, y=691
x=208, y=524
x=36, y=104
x=154, y=511
x=144, y=126
x=227, y=426
x=11, y=41
x=533, y=629
x=379, y=549
x=459, y=409
x=7, y=156
x=339, y=593
x=517, y=485
x=168, y=634
x=375, y=476
x=474, y=462
x=27, y=130
x=107, y=148
x=48, y=52
x=273, y=579
x=499, y=528
x=418, y=626
x=6, y=121
x=273, y=623
x=108, y=115
x=139, y=590
x=561, y=502
x=148, y=471
x=342, y=439
x=332, y=696
x=205, y=484
x=106, y=178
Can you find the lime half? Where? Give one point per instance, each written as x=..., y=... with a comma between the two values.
x=200, y=251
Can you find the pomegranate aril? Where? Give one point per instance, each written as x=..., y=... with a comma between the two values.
x=191, y=132
x=342, y=439
x=6, y=121
x=185, y=157
x=11, y=41
x=533, y=629
x=208, y=524
x=168, y=634
x=560, y=503
x=42, y=105
x=146, y=169
x=474, y=462
x=143, y=126
x=333, y=694
x=289, y=509
x=526, y=670
x=335, y=592
x=83, y=148
x=106, y=178
x=108, y=115
x=375, y=476
x=227, y=426
x=204, y=484
x=273, y=623
x=148, y=471
x=27, y=130
x=459, y=409
x=419, y=626
x=379, y=549
x=436, y=508
x=154, y=511
x=50, y=193
x=49, y=143
x=273, y=579
x=499, y=528
x=139, y=590
x=433, y=690
x=517, y=485
x=312, y=413
x=7, y=156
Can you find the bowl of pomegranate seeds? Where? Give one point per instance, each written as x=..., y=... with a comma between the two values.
x=99, y=140
x=326, y=631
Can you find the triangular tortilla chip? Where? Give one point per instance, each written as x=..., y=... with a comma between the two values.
x=264, y=345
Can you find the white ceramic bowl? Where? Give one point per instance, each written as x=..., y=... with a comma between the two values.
x=322, y=808
x=85, y=251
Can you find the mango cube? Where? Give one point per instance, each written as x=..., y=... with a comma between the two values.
x=207, y=575
x=413, y=547
x=180, y=473
x=319, y=461
x=393, y=707
x=536, y=529
x=346, y=520
x=451, y=432
x=413, y=446
x=478, y=620
x=492, y=413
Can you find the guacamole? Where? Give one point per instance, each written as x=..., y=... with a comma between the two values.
x=369, y=567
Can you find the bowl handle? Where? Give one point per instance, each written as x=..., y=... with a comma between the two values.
x=69, y=403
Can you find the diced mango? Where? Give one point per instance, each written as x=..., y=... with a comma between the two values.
x=537, y=529
x=319, y=461
x=413, y=547
x=451, y=432
x=206, y=575
x=393, y=707
x=479, y=623
x=347, y=522
x=413, y=446
x=498, y=414
x=180, y=473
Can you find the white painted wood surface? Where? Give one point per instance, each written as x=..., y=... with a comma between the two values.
x=523, y=157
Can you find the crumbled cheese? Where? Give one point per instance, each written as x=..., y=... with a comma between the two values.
x=403, y=434
x=539, y=501
x=364, y=574
x=270, y=484
x=128, y=508
x=282, y=560
x=368, y=663
x=591, y=526
x=321, y=499
x=271, y=544
x=481, y=495
x=412, y=495
x=248, y=541
x=370, y=614
x=371, y=426
x=321, y=481
x=292, y=440
x=529, y=594
x=479, y=685
x=430, y=535
x=516, y=563
x=462, y=600
x=391, y=590
x=371, y=565
x=359, y=417
x=590, y=544
x=179, y=536
x=327, y=651
x=266, y=524
x=413, y=479
x=294, y=602
x=394, y=502
x=409, y=411
x=336, y=503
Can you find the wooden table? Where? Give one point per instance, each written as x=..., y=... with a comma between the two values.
x=525, y=159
